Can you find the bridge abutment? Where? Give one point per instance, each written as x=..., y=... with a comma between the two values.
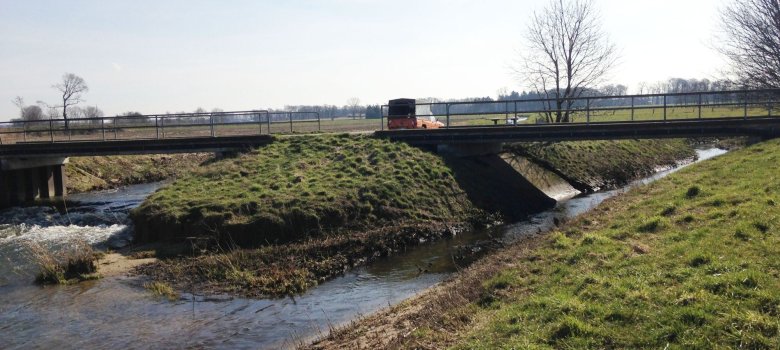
x=26, y=180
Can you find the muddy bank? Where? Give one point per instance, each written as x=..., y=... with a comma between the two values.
x=288, y=269
x=108, y=172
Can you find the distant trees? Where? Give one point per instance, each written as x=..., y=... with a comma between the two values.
x=751, y=41
x=373, y=112
x=28, y=113
x=71, y=87
x=567, y=54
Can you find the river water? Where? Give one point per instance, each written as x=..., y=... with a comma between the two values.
x=118, y=313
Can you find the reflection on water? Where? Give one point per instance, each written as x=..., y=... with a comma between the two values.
x=117, y=313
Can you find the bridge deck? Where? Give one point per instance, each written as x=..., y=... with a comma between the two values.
x=147, y=146
x=760, y=127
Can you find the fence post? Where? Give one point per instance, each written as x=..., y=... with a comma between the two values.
x=664, y=107
x=103, y=128
x=746, y=105
x=633, y=107
x=162, y=126
x=268, y=121
x=157, y=126
x=51, y=130
x=319, y=125
x=259, y=124
x=291, y=122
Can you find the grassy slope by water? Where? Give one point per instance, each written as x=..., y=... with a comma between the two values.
x=98, y=173
x=335, y=201
x=690, y=261
x=589, y=165
x=305, y=186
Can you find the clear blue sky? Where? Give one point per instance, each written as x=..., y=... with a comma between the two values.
x=176, y=55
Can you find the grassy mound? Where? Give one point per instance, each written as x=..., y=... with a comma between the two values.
x=589, y=165
x=305, y=186
x=98, y=173
x=691, y=261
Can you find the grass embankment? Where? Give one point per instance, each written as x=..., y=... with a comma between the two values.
x=105, y=172
x=594, y=165
x=690, y=261
x=338, y=200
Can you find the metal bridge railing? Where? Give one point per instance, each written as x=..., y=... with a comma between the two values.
x=602, y=109
x=587, y=110
x=159, y=126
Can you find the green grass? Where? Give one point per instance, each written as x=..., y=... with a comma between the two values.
x=604, y=164
x=305, y=186
x=691, y=261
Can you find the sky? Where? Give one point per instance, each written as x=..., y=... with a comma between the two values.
x=155, y=56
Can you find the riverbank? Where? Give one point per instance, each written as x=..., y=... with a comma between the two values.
x=108, y=172
x=318, y=206
x=304, y=209
x=689, y=261
x=601, y=165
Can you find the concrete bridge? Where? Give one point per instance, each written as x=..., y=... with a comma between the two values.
x=33, y=153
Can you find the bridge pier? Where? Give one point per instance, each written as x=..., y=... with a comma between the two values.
x=26, y=180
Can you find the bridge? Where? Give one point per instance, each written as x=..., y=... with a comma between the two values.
x=33, y=153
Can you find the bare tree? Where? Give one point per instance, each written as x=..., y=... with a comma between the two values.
x=71, y=87
x=567, y=54
x=354, y=106
x=18, y=101
x=750, y=39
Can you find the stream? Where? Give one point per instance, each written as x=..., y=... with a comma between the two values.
x=118, y=313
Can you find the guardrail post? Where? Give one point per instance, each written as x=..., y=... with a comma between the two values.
x=162, y=126
x=587, y=109
x=259, y=124
x=746, y=105
x=211, y=122
x=319, y=123
x=268, y=121
x=157, y=127
x=633, y=107
x=382, y=118
x=103, y=128
x=448, y=115
x=664, y=107
x=51, y=130
x=24, y=131
x=291, y=122
x=700, y=102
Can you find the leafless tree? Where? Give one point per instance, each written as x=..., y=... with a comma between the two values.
x=354, y=106
x=71, y=87
x=567, y=54
x=750, y=40
x=18, y=101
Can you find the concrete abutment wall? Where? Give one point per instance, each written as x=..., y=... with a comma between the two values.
x=24, y=181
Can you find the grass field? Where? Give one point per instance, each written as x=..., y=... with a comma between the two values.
x=690, y=261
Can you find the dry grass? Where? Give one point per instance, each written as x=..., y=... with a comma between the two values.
x=74, y=266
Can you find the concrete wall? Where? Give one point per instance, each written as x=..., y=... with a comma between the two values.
x=20, y=185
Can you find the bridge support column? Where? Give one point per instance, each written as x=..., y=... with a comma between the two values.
x=23, y=181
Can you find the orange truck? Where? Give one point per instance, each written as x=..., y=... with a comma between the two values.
x=401, y=114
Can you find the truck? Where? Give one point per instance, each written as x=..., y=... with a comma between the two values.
x=402, y=114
